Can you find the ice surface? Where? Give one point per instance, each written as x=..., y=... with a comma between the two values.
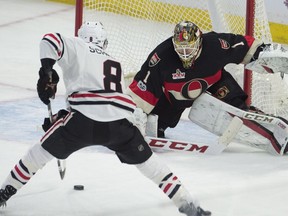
x=242, y=181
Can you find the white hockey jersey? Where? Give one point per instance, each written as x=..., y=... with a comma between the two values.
x=94, y=81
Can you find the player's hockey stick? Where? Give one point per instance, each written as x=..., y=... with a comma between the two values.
x=61, y=163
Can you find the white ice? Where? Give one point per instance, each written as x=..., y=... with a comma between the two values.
x=241, y=181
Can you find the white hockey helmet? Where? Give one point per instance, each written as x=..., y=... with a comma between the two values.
x=187, y=41
x=93, y=32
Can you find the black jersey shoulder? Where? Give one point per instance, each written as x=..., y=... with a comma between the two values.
x=224, y=47
x=212, y=39
x=164, y=49
x=223, y=39
x=166, y=53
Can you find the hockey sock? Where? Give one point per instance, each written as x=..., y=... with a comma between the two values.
x=169, y=183
x=34, y=160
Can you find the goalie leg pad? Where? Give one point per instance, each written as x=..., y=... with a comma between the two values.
x=259, y=130
x=152, y=125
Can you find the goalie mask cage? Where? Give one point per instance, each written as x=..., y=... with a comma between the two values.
x=136, y=27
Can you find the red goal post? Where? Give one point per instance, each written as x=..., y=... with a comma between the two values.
x=136, y=27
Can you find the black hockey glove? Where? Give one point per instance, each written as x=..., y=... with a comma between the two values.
x=47, y=123
x=47, y=85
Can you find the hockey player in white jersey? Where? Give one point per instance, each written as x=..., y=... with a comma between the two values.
x=99, y=114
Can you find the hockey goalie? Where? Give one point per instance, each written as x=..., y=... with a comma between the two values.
x=187, y=70
x=238, y=123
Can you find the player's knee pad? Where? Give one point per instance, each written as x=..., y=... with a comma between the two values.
x=229, y=91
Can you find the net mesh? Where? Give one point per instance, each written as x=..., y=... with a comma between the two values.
x=136, y=27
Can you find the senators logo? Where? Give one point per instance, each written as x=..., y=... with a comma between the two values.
x=194, y=88
x=224, y=44
x=222, y=92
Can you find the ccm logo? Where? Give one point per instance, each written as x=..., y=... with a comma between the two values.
x=165, y=144
x=256, y=117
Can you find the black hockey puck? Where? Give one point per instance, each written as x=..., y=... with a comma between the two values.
x=78, y=187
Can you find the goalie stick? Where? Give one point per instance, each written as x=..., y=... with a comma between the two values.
x=212, y=148
x=61, y=163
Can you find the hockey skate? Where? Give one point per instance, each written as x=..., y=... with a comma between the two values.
x=5, y=194
x=190, y=210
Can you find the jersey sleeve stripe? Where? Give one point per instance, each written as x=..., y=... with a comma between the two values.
x=145, y=95
x=55, y=42
x=63, y=47
x=60, y=122
x=55, y=47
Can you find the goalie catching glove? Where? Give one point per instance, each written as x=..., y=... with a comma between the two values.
x=47, y=84
x=271, y=58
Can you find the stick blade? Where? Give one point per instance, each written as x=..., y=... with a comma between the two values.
x=61, y=168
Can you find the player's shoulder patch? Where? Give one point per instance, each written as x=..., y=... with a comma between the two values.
x=154, y=60
x=224, y=44
x=222, y=92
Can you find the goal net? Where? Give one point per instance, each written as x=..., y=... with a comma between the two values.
x=136, y=27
